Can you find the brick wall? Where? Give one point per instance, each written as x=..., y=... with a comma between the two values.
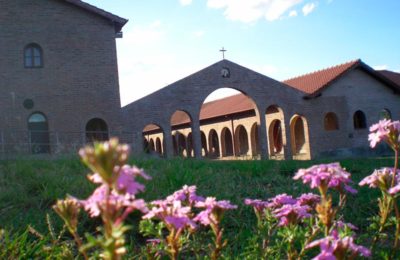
x=79, y=79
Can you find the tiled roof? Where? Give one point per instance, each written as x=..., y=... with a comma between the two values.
x=313, y=82
x=309, y=84
x=118, y=21
x=393, y=76
x=220, y=107
x=226, y=106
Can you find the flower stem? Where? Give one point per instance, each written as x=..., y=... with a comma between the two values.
x=78, y=242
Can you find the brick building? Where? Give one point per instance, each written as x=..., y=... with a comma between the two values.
x=321, y=114
x=58, y=75
x=59, y=81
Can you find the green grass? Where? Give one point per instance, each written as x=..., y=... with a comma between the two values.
x=28, y=188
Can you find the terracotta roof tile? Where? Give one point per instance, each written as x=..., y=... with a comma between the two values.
x=226, y=106
x=119, y=21
x=315, y=81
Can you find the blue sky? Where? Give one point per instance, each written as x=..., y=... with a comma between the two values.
x=166, y=40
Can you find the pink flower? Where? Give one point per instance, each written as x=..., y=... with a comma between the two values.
x=258, y=205
x=326, y=176
x=213, y=210
x=187, y=193
x=382, y=179
x=385, y=130
x=280, y=200
x=395, y=189
x=172, y=213
x=309, y=199
x=333, y=246
x=291, y=214
x=126, y=180
x=97, y=202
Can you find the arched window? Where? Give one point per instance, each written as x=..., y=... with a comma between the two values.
x=359, y=120
x=33, y=56
x=96, y=130
x=331, y=122
x=38, y=133
x=385, y=114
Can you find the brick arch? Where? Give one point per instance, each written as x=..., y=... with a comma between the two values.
x=189, y=93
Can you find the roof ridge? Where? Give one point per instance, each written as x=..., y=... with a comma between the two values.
x=324, y=69
x=99, y=11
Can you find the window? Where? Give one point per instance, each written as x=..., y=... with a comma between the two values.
x=331, y=122
x=96, y=130
x=39, y=138
x=359, y=120
x=385, y=114
x=33, y=56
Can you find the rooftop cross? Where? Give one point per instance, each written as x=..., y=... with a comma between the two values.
x=223, y=53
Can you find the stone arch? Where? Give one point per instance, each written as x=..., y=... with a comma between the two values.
x=181, y=126
x=241, y=141
x=276, y=131
x=300, y=138
x=226, y=142
x=213, y=144
x=96, y=130
x=359, y=120
x=39, y=137
x=150, y=133
x=331, y=122
x=219, y=111
x=255, y=140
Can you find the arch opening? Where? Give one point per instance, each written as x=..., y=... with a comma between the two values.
x=39, y=137
x=221, y=113
x=96, y=130
x=300, y=138
x=213, y=141
x=241, y=141
x=331, y=122
x=276, y=132
x=181, y=127
x=359, y=120
x=385, y=114
x=226, y=142
x=153, y=139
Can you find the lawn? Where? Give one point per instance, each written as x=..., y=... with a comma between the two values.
x=29, y=187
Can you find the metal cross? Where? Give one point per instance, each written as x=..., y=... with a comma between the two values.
x=223, y=53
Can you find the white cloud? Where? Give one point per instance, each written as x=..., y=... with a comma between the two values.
x=308, y=8
x=252, y=10
x=381, y=67
x=143, y=35
x=198, y=34
x=293, y=13
x=185, y=2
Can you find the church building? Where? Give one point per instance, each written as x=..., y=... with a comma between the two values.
x=58, y=75
x=60, y=90
x=325, y=113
